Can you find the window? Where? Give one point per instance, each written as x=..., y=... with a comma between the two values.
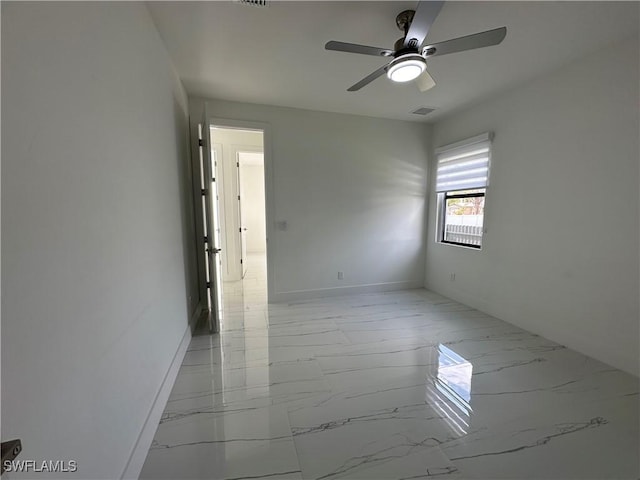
x=462, y=178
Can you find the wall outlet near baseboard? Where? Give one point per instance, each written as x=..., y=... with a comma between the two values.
x=340, y=276
x=452, y=277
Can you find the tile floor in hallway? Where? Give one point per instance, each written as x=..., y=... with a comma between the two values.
x=400, y=385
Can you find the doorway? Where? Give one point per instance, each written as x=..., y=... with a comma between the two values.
x=239, y=154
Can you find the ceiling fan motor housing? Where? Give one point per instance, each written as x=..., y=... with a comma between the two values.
x=403, y=21
x=400, y=49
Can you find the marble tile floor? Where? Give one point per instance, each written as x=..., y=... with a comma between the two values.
x=399, y=385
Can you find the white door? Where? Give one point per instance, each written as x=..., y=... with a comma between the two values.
x=242, y=216
x=217, y=225
x=211, y=225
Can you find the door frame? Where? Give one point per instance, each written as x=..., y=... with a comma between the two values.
x=237, y=149
x=268, y=187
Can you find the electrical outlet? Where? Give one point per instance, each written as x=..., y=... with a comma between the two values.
x=340, y=276
x=453, y=277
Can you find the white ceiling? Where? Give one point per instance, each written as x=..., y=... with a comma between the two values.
x=276, y=56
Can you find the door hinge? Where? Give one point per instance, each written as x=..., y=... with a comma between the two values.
x=208, y=284
x=238, y=197
x=240, y=229
x=200, y=142
x=203, y=191
x=240, y=261
x=206, y=239
x=238, y=164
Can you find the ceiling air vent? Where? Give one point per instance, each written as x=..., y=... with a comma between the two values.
x=254, y=3
x=423, y=111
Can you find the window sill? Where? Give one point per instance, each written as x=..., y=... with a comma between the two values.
x=466, y=247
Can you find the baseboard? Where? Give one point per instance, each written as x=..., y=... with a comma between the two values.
x=195, y=316
x=141, y=448
x=511, y=314
x=281, y=297
x=461, y=297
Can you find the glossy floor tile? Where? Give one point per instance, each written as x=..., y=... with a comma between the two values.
x=400, y=385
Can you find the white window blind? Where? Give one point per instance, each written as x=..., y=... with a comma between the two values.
x=464, y=165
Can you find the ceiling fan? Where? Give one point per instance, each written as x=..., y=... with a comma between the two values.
x=410, y=55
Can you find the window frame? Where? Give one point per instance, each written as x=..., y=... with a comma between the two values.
x=442, y=214
x=456, y=152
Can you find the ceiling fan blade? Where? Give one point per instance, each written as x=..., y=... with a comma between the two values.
x=355, y=48
x=425, y=82
x=469, y=42
x=426, y=13
x=368, y=79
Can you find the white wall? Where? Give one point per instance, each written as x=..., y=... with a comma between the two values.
x=560, y=256
x=252, y=178
x=230, y=142
x=352, y=191
x=97, y=251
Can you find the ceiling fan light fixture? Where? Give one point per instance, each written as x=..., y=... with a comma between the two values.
x=406, y=68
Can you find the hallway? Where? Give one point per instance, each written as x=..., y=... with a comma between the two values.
x=404, y=384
